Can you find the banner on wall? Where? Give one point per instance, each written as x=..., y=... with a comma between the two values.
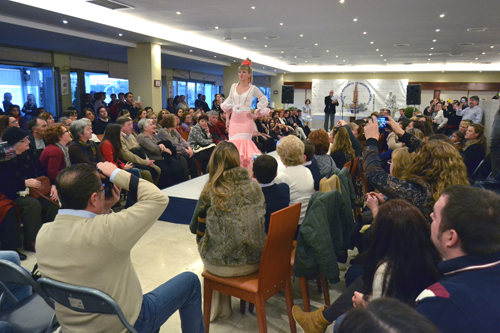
x=359, y=97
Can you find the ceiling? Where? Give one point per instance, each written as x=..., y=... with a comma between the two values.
x=306, y=36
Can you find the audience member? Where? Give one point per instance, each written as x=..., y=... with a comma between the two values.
x=300, y=180
x=55, y=157
x=436, y=166
x=187, y=121
x=131, y=105
x=458, y=140
x=386, y=315
x=15, y=112
x=466, y=231
x=277, y=196
x=495, y=145
x=142, y=114
x=474, y=150
x=182, y=103
x=115, y=106
x=182, y=147
x=16, y=177
x=232, y=202
x=7, y=98
x=203, y=104
x=37, y=128
x=29, y=108
x=319, y=138
x=341, y=150
x=71, y=113
x=81, y=148
x=311, y=164
x=48, y=117
x=473, y=112
x=100, y=243
x=7, y=121
x=216, y=134
x=102, y=121
x=201, y=142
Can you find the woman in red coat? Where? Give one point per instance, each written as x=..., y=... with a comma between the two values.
x=55, y=156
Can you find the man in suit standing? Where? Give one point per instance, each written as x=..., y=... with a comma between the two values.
x=331, y=102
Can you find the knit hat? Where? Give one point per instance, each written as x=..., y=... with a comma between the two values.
x=13, y=135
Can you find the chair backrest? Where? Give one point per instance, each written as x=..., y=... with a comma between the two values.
x=185, y=135
x=80, y=299
x=275, y=262
x=12, y=273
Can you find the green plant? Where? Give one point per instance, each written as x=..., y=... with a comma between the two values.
x=409, y=111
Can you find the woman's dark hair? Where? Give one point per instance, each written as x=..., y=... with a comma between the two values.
x=168, y=121
x=9, y=110
x=420, y=125
x=202, y=116
x=386, y=315
x=177, y=99
x=460, y=134
x=405, y=122
x=112, y=134
x=401, y=239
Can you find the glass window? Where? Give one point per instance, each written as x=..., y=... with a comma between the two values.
x=208, y=94
x=97, y=82
x=191, y=94
x=181, y=88
x=174, y=89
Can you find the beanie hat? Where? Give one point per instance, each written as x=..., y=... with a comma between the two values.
x=13, y=135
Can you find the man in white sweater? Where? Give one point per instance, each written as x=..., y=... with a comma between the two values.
x=88, y=246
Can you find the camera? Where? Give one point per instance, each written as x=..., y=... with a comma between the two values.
x=108, y=188
x=382, y=121
x=7, y=152
x=462, y=100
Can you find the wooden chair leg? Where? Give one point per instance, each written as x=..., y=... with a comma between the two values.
x=207, y=304
x=305, y=294
x=326, y=291
x=289, y=304
x=260, y=307
x=318, y=284
x=243, y=305
x=251, y=306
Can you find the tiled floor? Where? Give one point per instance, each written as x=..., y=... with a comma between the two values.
x=168, y=249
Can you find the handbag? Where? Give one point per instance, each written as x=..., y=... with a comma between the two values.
x=44, y=188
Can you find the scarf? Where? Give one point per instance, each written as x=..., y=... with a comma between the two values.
x=64, y=149
x=87, y=145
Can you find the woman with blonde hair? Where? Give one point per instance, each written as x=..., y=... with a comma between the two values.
x=435, y=166
x=474, y=150
x=341, y=150
x=399, y=162
x=233, y=206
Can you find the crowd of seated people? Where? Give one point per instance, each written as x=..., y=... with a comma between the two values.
x=426, y=182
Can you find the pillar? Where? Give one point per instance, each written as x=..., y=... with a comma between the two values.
x=61, y=61
x=144, y=67
x=230, y=76
x=276, y=84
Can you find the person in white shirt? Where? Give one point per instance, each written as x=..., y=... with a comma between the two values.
x=298, y=177
x=473, y=112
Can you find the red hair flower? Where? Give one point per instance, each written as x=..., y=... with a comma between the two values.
x=247, y=62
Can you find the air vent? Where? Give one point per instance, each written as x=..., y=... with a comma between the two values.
x=401, y=45
x=293, y=64
x=300, y=48
x=476, y=29
x=96, y=30
x=407, y=63
x=486, y=62
x=272, y=37
x=465, y=44
x=282, y=57
x=316, y=57
x=455, y=55
x=110, y=4
x=227, y=39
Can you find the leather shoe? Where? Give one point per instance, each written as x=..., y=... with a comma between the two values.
x=29, y=246
x=22, y=256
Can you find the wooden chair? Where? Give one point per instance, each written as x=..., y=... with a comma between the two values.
x=273, y=274
x=354, y=167
x=321, y=281
x=100, y=136
x=185, y=135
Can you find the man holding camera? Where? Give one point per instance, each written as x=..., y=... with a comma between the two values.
x=88, y=246
x=473, y=112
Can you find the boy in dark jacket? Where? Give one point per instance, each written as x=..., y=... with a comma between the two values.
x=311, y=163
x=277, y=196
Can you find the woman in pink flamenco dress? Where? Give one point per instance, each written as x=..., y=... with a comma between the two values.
x=239, y=115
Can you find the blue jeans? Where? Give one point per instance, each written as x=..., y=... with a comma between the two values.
x=5, y=327
x=20, y=291
x=183, y=293
x=338, y=322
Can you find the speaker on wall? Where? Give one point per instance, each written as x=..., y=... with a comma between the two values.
x=413, y=94
x=287, y=94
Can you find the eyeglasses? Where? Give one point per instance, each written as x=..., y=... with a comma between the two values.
x=13, y=122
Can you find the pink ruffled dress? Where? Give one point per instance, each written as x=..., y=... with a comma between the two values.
x=240, y=121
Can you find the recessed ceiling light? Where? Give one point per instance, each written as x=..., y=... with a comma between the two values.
x=65, y=22
x=483, y=53
x=295, y=57
x=385, y=59
x=355, y=19
x=282, y=52
x=190, y=50
x=381, y=55
x=234, y=60
x=492, y=47
x=336, y=56
x=364, y=32
x=327, y=50
x=275, y=70
x=430, y=53
x=301, y=35
x=178, y=13
x=476, y=58
x=281, y=23
x=263, y=67
x=120, y=35
x=216, y=27
x=253, y=7
x=433, y=40
x=429, y=59
x=305, y=61
x=432, y=48
x=343, y=60
x=215, y=56
x=442, y=15
x=265, y=45
x=244, y=38
x=316, y=44
x=376, y=50
x=161, y=44
x=341, y=1
x=371, y=42
x=437, y=30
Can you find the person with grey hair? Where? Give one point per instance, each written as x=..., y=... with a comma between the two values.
x=473, y=112
x=65, y=121
x=94, y=137
x=217, y=135
x=81, y=148
x=163, y=153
